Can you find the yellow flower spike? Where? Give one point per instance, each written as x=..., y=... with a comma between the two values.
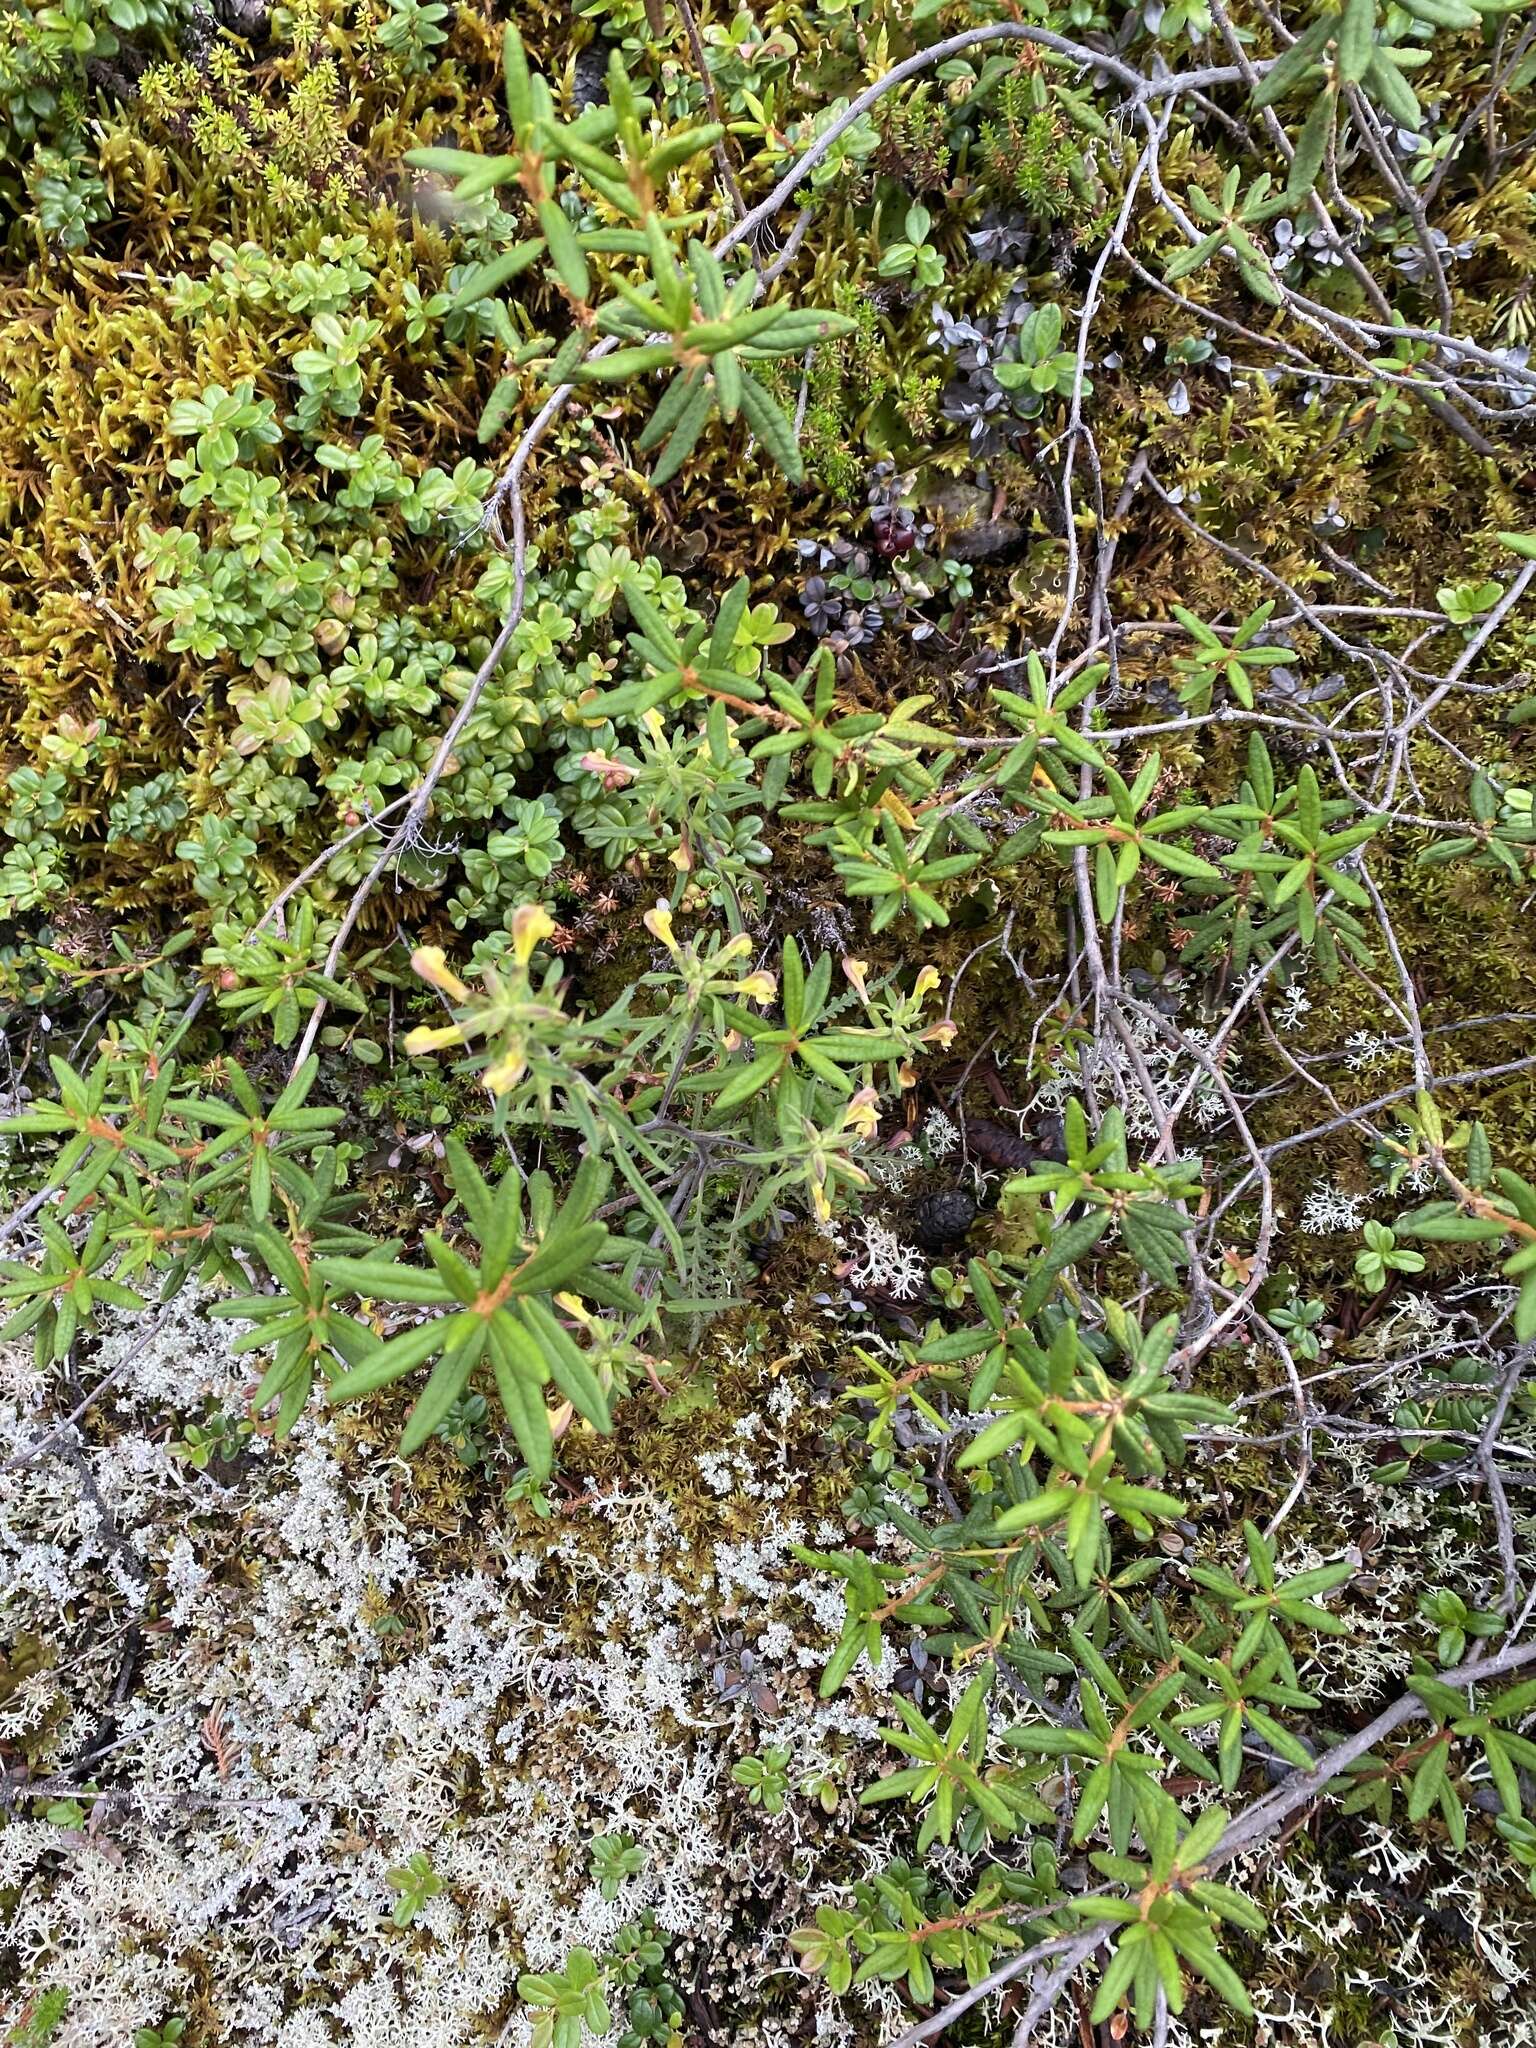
x=927, y=979
x=761, y=987
x=658, y=923
x=856, y=971
x=530, y=924
x=432, y=1038
x=431, y=963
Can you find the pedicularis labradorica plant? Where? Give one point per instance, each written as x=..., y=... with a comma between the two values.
x=615, y=913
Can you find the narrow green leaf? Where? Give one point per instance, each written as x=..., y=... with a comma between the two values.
x=1311, y=148
x=569, y=1369
x=391, y=1361
x=685, y=434
x=450, y=1376
x=1357, y=31
x=486, y=278
x=771, y=427
x=564, y=250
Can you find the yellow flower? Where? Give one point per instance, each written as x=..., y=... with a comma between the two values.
x=530, y=924
x=658, y=923
x=507, y=1072
x=862, y=1113
x=856, y=971
x=426, y=1038
x=928, y=978
x=431, y=963
x=761, y=987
